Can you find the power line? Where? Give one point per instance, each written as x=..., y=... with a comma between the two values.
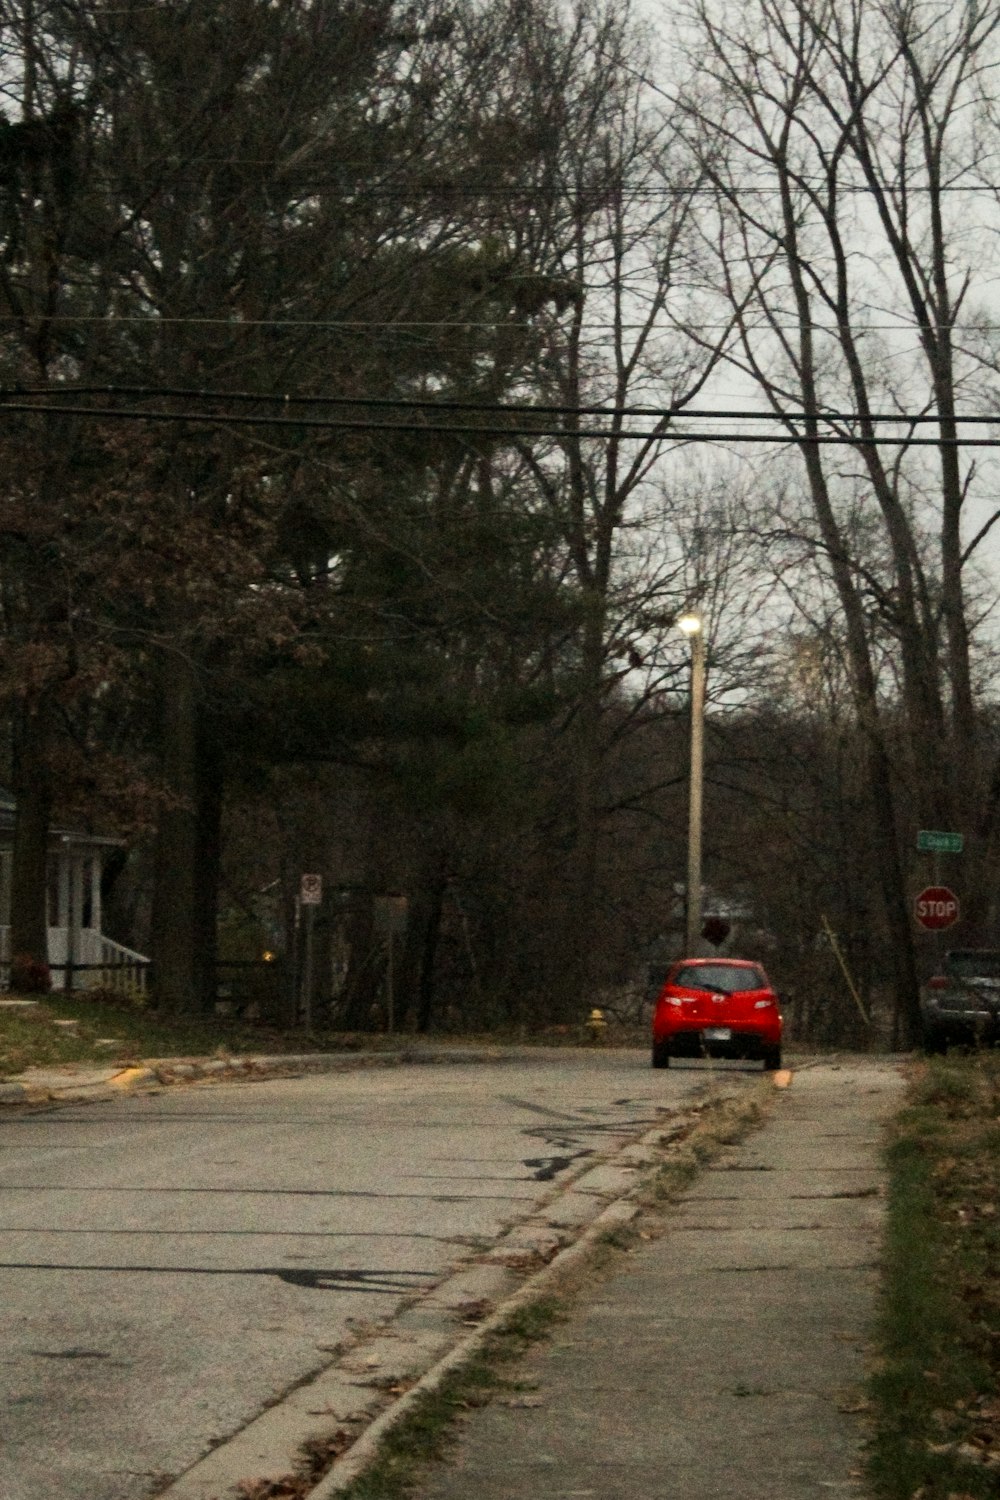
x=498, y=429
x=154, y=321
x=439, y=184
x=489, y=408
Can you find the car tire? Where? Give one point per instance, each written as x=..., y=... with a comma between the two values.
x=772, y=1059
x=661, y=1055
x=935, y=1043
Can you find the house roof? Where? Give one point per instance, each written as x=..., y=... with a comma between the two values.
x=60, y=838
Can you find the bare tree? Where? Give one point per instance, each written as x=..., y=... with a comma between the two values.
x=833, y=134
x=621, y=248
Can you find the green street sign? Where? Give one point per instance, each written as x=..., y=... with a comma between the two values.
x=939, y=843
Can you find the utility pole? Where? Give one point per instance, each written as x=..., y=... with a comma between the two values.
x=693, y=627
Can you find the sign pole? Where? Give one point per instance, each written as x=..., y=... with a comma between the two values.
x=310, y=896
x=293, y=979
x=390, y=979
x=307, y=970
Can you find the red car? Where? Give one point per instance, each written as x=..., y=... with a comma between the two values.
x=717, y=1007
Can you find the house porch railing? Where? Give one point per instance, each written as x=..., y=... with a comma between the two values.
x=100, y=963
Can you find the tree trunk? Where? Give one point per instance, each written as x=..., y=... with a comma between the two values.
x=187, y=851
x=428, y=954
x=894, y=894
x=29, y=877
x=578, y=972
x=363, y=973
x=208, y=857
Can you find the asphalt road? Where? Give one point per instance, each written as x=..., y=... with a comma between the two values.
x=172, y=1263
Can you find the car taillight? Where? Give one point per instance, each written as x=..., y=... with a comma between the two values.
x=762, y=1004
x=939, y=982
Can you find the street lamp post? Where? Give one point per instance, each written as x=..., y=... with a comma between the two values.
x=693, y=627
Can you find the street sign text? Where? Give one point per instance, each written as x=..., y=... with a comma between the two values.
x=932, y=839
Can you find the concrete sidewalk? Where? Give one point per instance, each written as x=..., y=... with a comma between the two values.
x=726, y=1359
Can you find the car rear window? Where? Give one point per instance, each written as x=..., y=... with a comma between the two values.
x=973, y=963
x=720, y=977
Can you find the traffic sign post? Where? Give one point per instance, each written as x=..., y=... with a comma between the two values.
x=936, y=907
x=310, y=896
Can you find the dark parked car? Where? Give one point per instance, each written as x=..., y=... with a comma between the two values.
x=717, y=1007
x=962, y=1003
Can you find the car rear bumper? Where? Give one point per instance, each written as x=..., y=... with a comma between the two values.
x=962, y=1025
x=701, y=1041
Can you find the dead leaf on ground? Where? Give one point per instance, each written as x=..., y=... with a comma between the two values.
x=318, y=1452
x=389, y=1385
x=289, y=1488
x=474, y=1310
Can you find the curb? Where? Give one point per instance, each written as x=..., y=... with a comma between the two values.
x=153, y=1074
x=272, y=1444
x=156, y=1073
x=364, y=1451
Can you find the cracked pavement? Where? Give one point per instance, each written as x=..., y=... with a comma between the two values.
x=198, y=1279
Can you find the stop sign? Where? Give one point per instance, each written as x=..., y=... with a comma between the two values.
x=936, y=907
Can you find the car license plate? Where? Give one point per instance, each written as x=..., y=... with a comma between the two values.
x=718, y=1034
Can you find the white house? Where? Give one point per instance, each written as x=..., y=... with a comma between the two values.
x=76, y=862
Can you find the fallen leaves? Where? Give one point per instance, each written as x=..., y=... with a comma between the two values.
x=289, y=1488
x=317, y=1456
x=473, y=1311
x=949, y=1408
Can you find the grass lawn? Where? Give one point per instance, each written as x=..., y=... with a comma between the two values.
x=936, y=1388
x=106, y=1032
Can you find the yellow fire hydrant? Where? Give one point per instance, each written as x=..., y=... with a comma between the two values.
x=596, y=1025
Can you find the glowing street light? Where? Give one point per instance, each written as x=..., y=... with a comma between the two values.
x=692, y=625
